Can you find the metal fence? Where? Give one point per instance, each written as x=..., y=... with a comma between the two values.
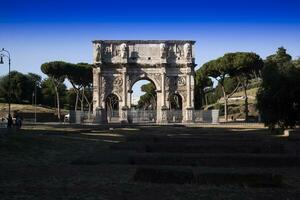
x=207, y=116
x=175, y=116
x=79, y=117
x=113, y=116
x=143, y=116
x=146, y=116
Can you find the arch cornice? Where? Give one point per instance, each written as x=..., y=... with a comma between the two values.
x=139, y=65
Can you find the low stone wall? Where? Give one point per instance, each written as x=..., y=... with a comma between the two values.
x=41, y=117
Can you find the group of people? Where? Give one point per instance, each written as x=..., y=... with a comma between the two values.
x=17, y=123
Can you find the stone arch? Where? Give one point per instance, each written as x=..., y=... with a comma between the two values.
x=177, y=93
x=139, y=78
x=112, y=105
x=112, y=93
x=168, y=64
x=176, y=107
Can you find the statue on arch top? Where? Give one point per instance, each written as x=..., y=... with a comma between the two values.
x=123, y=50
x=97, y=52
x=187, y=50
x=163, y=50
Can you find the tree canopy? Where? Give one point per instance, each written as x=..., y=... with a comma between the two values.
x=148, y=100
x=202, y=82
x=278, y=98
x=241, y=66
x=56, y=71
x=22, y=86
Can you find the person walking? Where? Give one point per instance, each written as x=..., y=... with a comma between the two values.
x=18, y=121
x=9, y=121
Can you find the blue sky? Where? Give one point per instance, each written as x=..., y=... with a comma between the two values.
x=36, y=31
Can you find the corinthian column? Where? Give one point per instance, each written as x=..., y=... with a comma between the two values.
x=188, y=89
x=188, y=116
x=124, y=88
x=163, y=93
x=163, y=112
x=130, y=98
x=124, y=110
x=99, y=104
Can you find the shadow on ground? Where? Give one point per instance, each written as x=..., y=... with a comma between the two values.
x=147, y=162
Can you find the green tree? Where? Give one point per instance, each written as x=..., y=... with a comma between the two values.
x=111, y=105
x=76, y=75
x=230, y=84
x=87, y=84
x=22, y=87
x=148, y=100
x=219, y=70
x=35, y=85
x=278, y=98
x=49, y=94
x=202, y=84
x=247, y=66
x=56, y=71
x=80, y=76
x=297, y=62
x=71, y=98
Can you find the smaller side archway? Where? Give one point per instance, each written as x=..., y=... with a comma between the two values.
x=176, y=111
x=112, y=107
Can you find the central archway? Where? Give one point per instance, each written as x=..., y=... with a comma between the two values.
x=143, y=101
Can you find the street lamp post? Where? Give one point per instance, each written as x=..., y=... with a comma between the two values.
x=5, y=53
x=35, y=101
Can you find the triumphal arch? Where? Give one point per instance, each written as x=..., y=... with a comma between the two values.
x=168, y=64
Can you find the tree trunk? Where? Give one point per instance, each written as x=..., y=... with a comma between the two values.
x=76, y=102
x=58, y=101
x=82, y=99
x=245, y=85
x=225, y=103
x=90, y=106
x=206, y=101
x=77, y=91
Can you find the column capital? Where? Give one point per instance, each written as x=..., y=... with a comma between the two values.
x=164, y=107
x=99, y=108
x=125, y=108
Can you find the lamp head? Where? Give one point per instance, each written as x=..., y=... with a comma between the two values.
x=1, y=59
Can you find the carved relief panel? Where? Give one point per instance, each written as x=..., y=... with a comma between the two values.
x=111, y=84
x=117, y=85
x=174, y=83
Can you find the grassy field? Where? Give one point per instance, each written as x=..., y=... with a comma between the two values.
x=236, y=104
x=154, y=162
x=25, y=108
x=27, y=111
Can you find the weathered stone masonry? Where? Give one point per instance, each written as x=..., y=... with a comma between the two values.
x=118, y=64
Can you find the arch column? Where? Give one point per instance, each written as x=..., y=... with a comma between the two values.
x=124, y=110
x=130, y=99
x=162, y=109
x=99, y=109
x=189, y=110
